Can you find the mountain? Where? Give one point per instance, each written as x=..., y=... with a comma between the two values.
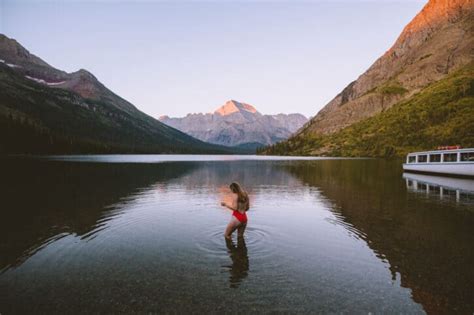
x=432, y=56
x=238, y=124
x=46, y=110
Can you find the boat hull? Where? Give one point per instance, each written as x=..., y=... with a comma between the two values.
x=462, y=169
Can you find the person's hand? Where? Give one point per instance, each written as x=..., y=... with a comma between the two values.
x=223, y=203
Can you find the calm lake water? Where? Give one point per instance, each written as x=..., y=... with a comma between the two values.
x=145, y=234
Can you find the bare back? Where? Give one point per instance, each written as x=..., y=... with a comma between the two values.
x=241, y=206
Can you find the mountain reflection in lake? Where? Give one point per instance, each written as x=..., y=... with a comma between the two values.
x=323, y=236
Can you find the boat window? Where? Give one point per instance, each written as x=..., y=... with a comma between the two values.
x=467, y=157
x=412, y=159
x=450, y=157
x=422, y=158
x=435, y=157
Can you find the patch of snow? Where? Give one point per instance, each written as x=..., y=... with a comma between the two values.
x=43, y=81
x=55, y=83
x=35, y=79
x=11, y=65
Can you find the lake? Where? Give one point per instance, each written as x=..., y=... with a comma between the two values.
x=141, y=234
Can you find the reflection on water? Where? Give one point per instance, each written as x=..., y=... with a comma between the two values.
x=240, y=261
x=42, y=201
x=428, y=243
x=459, y=189
x=324, y=236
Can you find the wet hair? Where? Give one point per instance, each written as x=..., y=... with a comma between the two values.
x=242, y=197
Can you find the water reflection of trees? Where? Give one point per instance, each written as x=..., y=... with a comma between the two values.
x=44, y=199
x=427, y=242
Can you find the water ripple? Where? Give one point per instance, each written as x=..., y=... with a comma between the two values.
x=258, y=239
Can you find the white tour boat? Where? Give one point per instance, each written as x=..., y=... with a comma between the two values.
x=445, y=160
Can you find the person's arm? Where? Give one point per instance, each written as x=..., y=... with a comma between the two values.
x=232, y=206
x=227, y=206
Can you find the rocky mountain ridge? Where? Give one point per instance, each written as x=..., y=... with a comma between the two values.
x=417, y=96
x=34, y=68
x=438, y=41
x=51, y=111
x=237, y=124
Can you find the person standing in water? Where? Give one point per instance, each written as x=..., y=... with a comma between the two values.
x=239, y=206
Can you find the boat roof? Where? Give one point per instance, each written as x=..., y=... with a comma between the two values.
x=443, y=151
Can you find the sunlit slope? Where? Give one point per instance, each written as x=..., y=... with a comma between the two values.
x=438, y=41
x=425, y=77
x=440, y=114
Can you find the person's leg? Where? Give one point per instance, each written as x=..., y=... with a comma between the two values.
x=231, y=227
x=241, y=229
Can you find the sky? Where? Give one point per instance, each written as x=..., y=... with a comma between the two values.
x=178, y=57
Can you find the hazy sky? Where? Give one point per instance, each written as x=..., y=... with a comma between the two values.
x=179, y=57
